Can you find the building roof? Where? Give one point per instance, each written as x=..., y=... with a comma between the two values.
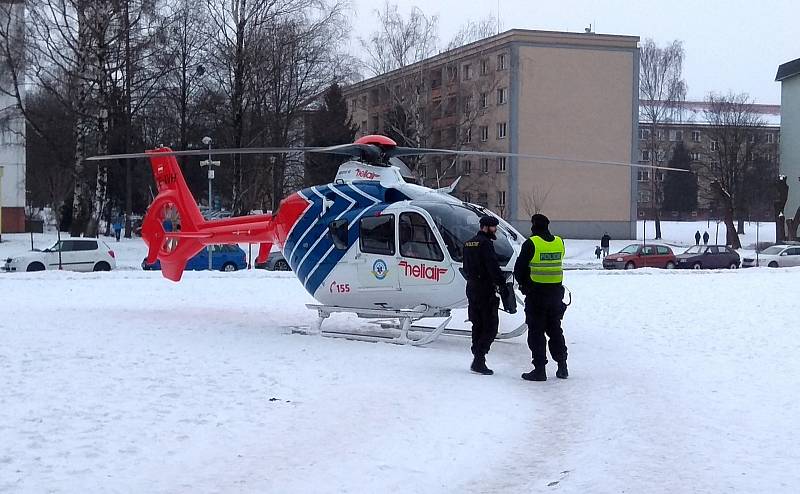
x=694, y=113
x=788, y=69
x=556, y=38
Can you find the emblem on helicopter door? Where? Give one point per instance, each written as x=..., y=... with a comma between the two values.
x=379, y=269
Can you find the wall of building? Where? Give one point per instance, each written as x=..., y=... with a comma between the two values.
x=12, y=153
x=577, y=102
x=790, y=141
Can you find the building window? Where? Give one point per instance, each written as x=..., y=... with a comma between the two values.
x=768, y=157
x=375, y=124
x=695, y=136
x=501, y=198
x=484, y=133
x=485, y=165
x=501, y=164
x=483, y=199
x=484, y=66
x=502, y=129
x=644, y=133
x=644, y=196
x=422, y=171
x=502, y=96
x=467, y=167
x=643, y=175
x=467, y=105
x=501, y=61
x=695, y=156
x=770, y=138
x=661, y=155
x=645, y=155
x=715, y=145
x=675, y=135
x=467, y=72
x=363, y=126
x=467, y=197
x=751, y=138
x=659, y=175
x=468, y=135
x=452, y=74
x=484, y=100
x=661, y=134
x=364, y=101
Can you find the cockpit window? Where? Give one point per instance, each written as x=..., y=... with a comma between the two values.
x=457, y=224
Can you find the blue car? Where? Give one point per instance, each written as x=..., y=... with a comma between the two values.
x=228, y=257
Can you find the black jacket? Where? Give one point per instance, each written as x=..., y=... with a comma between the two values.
x=522, y=268
x=481, y=267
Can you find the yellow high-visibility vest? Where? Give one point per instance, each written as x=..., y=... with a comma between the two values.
x=547, y=262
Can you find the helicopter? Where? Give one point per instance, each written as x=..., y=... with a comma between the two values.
x=372, y=242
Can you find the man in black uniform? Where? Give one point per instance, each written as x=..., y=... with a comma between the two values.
x=540, y=276
x=484, y=278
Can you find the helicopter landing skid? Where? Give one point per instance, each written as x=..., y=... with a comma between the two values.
x=406, y=320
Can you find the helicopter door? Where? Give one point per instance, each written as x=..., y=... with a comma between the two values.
x=422, y=261
x=376, y=257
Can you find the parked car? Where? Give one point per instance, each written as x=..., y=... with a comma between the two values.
x=275, y=262
x=76, y=254
x=229, y=257
x=777, y=256
x=641, y=256
x=709, y=257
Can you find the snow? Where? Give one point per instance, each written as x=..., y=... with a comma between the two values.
x=681, y=381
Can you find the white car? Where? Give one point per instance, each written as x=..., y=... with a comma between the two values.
x=777, y=256
x=73, y=254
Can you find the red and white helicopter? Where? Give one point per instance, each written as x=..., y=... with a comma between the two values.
x=370, y=243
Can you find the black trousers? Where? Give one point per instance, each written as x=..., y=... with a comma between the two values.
x=482, y=312
x=543, y=313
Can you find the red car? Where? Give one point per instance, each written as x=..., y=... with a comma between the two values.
x=641, y=256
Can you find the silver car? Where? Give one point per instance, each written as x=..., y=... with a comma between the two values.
x=777, y=256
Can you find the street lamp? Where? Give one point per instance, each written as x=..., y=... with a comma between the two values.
x=210, y=164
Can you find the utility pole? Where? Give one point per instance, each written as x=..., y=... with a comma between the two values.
x=210, y=164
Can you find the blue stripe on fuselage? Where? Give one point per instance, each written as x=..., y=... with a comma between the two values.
x=318, y=231
x=330, y=261
x=304, y=223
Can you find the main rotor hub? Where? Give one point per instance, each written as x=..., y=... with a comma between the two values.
x=382, y=142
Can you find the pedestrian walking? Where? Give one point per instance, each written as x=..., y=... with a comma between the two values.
x=705, y=238
x=605, y=243
x=117, y=225
x=697, y=238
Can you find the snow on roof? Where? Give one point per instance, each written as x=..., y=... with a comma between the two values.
x=694, y=112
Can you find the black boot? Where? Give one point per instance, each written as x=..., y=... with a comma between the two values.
x=537, y=374
x=562, y=372
x=479, y=366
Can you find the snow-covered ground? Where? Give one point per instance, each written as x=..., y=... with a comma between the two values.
x=126, y=382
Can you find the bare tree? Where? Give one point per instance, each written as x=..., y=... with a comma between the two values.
x=535, y=199
x=474, y=31
x=661, y=90
x=737, y=140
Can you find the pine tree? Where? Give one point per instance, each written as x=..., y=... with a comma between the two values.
x=680, y=189
x=328, y=126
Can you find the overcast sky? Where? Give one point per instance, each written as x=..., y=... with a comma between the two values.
x=730, y=44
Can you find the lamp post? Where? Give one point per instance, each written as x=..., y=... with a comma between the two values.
x=210, y=164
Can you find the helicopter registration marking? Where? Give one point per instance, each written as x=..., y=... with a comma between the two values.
x=340, y=287
x=422, y=271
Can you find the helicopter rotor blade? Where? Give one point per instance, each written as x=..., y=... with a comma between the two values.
x=204, y=152
x=404, y=151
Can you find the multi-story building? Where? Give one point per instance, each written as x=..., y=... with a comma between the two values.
x=690, y=125
x=12, y=129
x=789, y=77
x=553, y=94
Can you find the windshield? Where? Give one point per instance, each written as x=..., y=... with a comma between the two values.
x=631, y=249
x=457, y=224
x=695, y=249
x=772, y=251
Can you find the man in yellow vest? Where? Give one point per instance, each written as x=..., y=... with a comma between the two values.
x=539, y=272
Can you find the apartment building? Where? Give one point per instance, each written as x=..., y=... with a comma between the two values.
x=789, y=77
x=553, y=94
x=690, y=125
x=12, y=133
